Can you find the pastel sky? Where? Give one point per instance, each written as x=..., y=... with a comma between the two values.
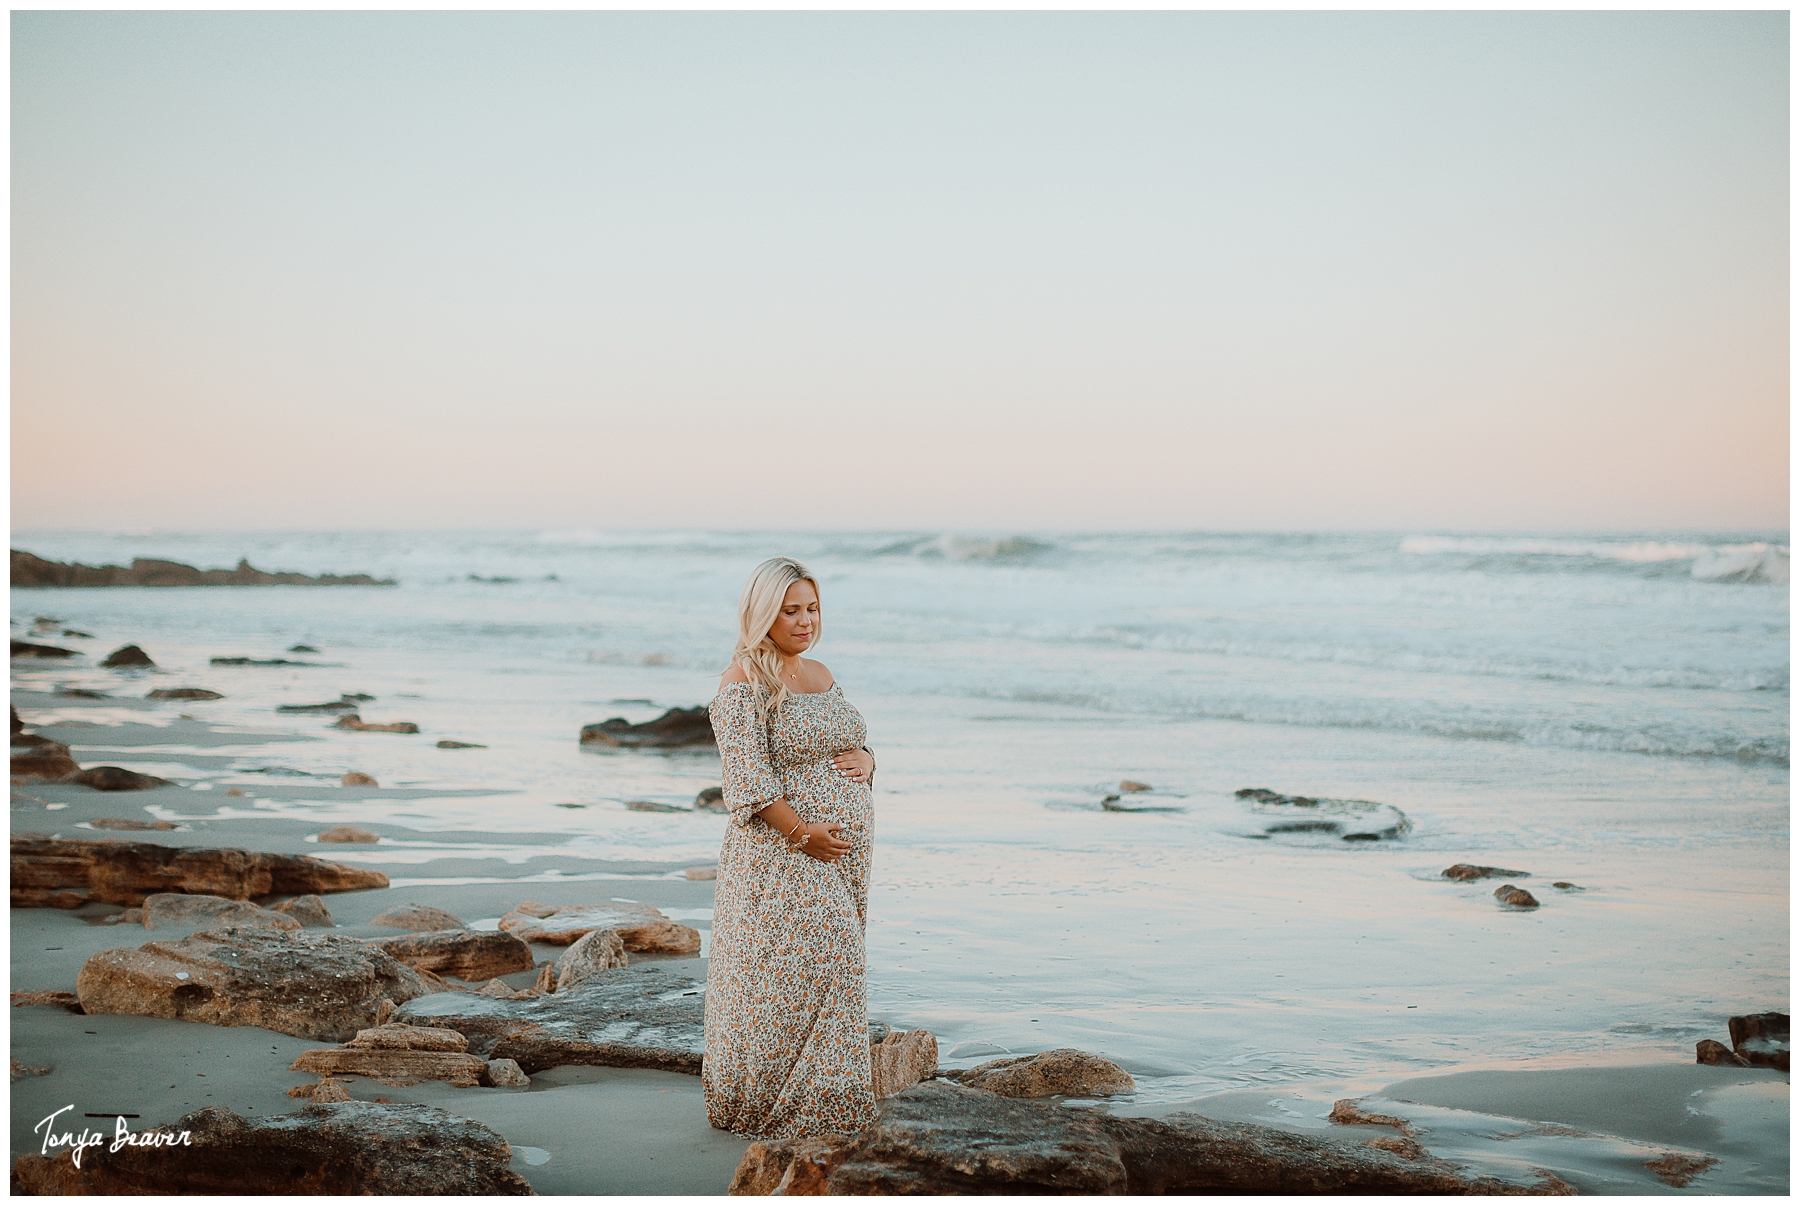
x=898, y=270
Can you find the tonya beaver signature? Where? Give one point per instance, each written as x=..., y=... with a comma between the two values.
x=122, y=1137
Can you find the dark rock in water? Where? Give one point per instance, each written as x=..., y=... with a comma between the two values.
x=1566, y=886
x=359, y=696
x=1111, y=804
x=32, y=571
x=1711, y=1051
x=17, y=724
x=127, y=655
x=306, y=983
x=1761, y=1039
x=44, y=764
x=356, y=723
x=258, y=661
x=939, y=1138
x=643, y=1016
x=710, y=799
x=46, y=871
x=1467, y=871
x=78, y=634
x=37, y=745
x=336, y=705
x=115, y=778
x=301, y=649
x=1352, y=820
x=82, y=693
x=347, y=1148
x=653, y=806
x=459, y=745
x=676, y=727
x=1518, y=898
x=27, y=649
x=130, y=823
x=183, y=693
x=1678, y=1168
x=1129, y=785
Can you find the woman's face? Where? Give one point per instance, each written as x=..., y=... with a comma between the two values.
x=796, y=627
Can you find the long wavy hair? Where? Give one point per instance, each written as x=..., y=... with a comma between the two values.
x=758, y=607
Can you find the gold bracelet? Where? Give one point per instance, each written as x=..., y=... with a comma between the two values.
x=789, y=836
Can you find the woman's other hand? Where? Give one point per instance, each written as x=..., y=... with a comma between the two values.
x=855, y=765
x=822, y=842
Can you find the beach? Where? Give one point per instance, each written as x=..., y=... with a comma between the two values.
x=1599, y=713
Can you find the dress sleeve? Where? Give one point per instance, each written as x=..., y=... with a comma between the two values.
x=750, y=781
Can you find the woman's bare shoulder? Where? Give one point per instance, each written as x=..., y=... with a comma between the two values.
x=819, y=672
x=735, y=674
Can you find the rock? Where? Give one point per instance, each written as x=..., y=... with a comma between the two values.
x=17, y=724
x=308, y=910
x=709, y=872
x=1133, y=785
x=902, y=1059
x=546, y=981
x=53, y=996
x=125, y=873
x=132, y=916
x=676, y=727
x=356, y=723
x=1467, y=872
x=1711, y=1051
x=350, y=1147
x=358, y=779
x=653, y=806
x=1516, y=897
x=459, y=745
x=125, y=656
x=130, y=823
x=37, y=745
x=183, y=693
x=77, y=633
x=115, y=778
x=1761, y=1039
x=336, y=705
x=643, y=1016
x=1349, y=1112
x=421, y=919
x=32, y=571
x=465, y=954
x=349, y=833
x=641, y=927
x=258, y=661
x=1678, y=1168
x=50, y=765
x=942, y=1138
x=592, y=953
x=398, y=1052
x=20, y=1071
x=1351, y=820
x=506, y=992
x=1063, y=1072
x=710, y=799
x=301, y=649
x=329, y=1090
x=82, y=693
x=27, y=649
x=359, y=696
x=1566, y=886
x=235, y=791
x=180, y=908
x=505, y=1074
x=313, y=986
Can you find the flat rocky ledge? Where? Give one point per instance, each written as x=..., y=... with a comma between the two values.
x=30, y=570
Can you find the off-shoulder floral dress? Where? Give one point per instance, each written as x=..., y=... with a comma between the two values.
x=787, y=1038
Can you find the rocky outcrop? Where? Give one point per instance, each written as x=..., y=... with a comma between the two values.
x=901, y=1059
x=641, y=927
x=336, y=705
x=644, y=1016
x=63, y=874
x=44, y=762
x=309, y=911
x=459, y=745
x=1467, y=872
x=348, y=1148
x=33, y=571
x=1712, y=1051
x=399, y=1054
x=126, y=656
x=51, y=996
x=941, y=1138
x=1758, y=1040
x=420, y=919
x=27, y=649
x=1063, y=1072
x=357, y=724
x=710, y=799
x=115, y=778
x=465, y=954
x=130, y=823
x=676, y=727
x=310, y=985
x=349, y=834
x=358, y=779
x=1515, y=897
x=1351, y=820
x=163, y=909
x=594, y=952
x=183, y=693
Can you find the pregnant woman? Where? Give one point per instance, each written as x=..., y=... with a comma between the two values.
x=787, y=1038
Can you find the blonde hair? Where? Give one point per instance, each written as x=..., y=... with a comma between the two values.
x=758, y=606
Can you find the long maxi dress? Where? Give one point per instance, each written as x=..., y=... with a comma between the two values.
x=787, y=1039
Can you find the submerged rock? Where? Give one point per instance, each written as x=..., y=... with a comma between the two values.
x=644, y=1016
x=27, y=649
x=358, y=779
x=459, y=745
x=115, y=778
x=420, y=918
x=183, y=693
x=45, y=763
x=1130, y=785
x=641, y=927
x=130, y=823
x=653, y=806
x=710, y=871
x=336, y=705
x=710, y=799
x=258, y=661
x=180, y=908
x=349, y=834
x=357, y=724
x=125, y=656
x=676, y=727
x=1516, y=897
x=316, y=986
x=1351, y=820
x=1467, y=872
x=343, y=1148
x=1063, y=1072
x=466, y=954
x=125, y=873
x=941, y=1138
x=33, y=571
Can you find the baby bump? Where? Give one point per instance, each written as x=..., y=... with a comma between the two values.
x=819, y=793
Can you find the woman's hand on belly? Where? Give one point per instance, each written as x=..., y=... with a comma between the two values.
x=854, y=765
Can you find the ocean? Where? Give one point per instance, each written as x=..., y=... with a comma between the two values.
x=1605, y=710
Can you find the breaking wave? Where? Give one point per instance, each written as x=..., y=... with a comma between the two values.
x=1755, y=562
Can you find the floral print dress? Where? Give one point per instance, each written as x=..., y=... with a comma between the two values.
x=787, y=1037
